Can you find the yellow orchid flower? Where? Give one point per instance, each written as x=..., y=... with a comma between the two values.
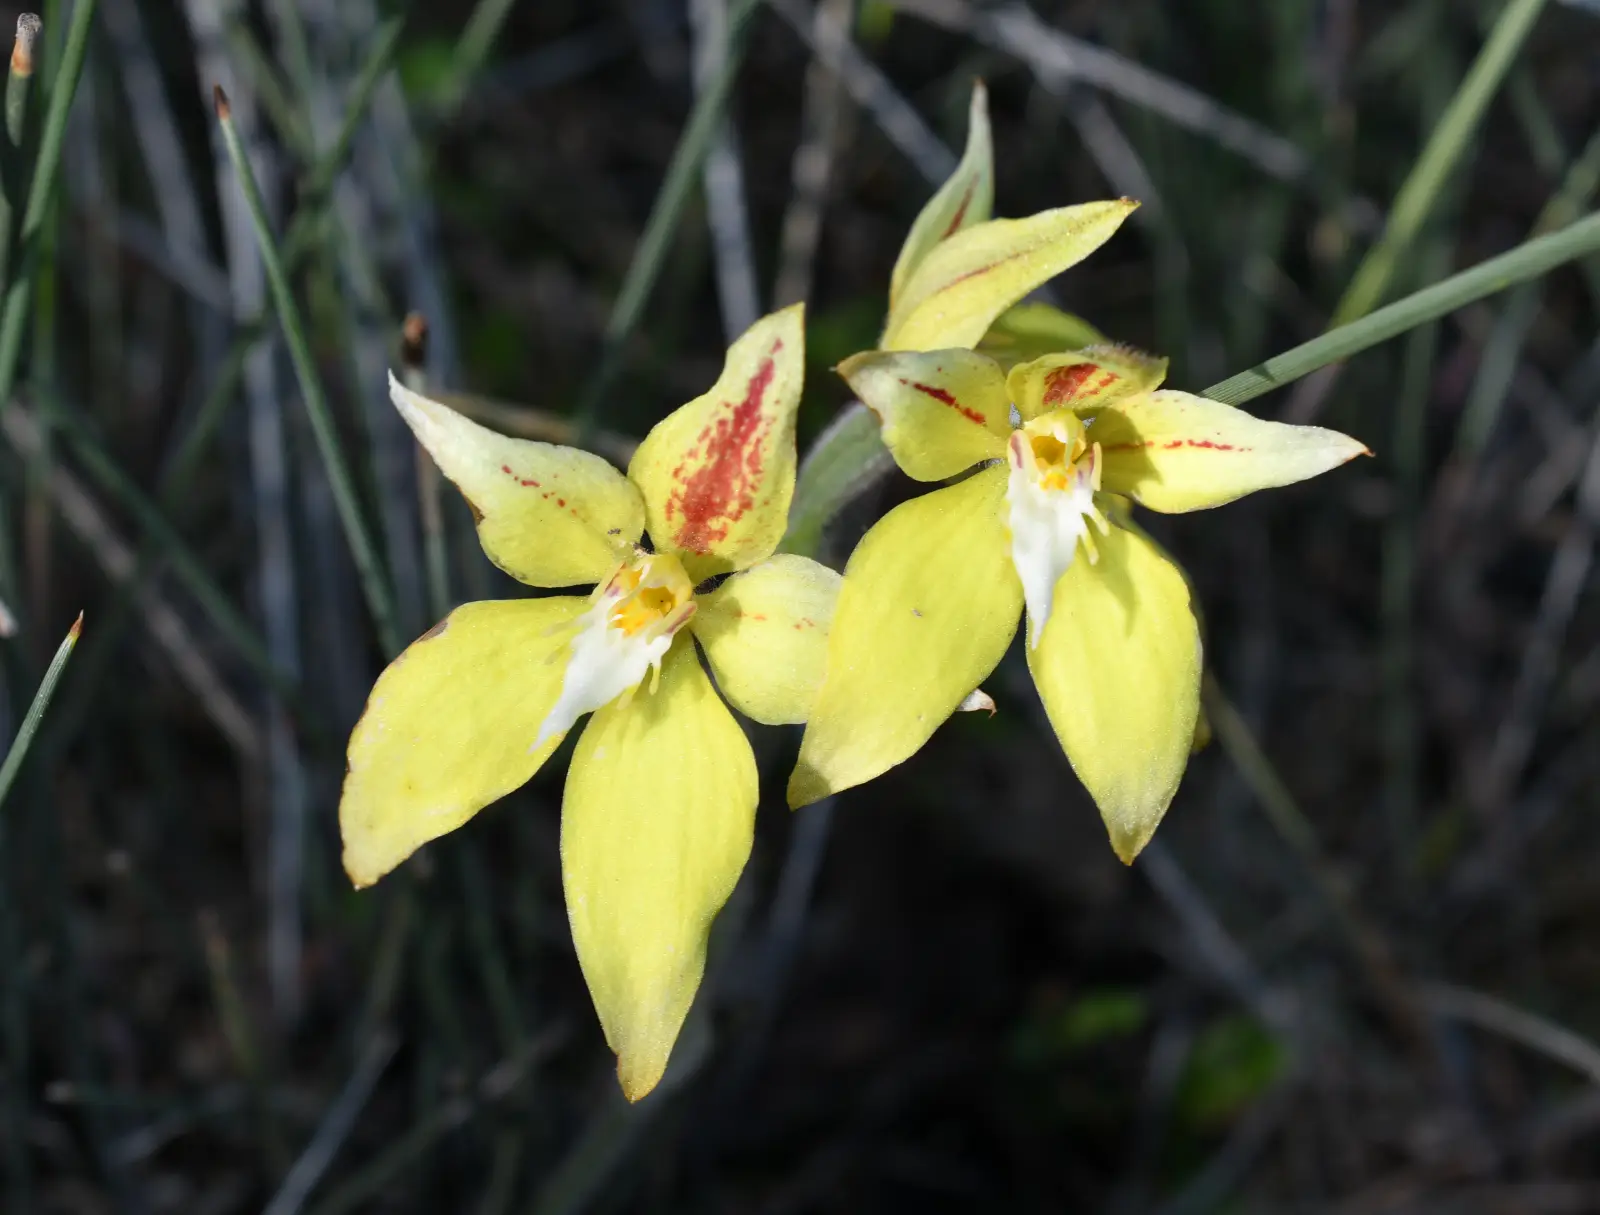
x=659, y=807
x=933, y=593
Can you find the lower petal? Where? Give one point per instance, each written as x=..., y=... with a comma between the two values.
x=1118, y=668
x=929, y=603
x=450, y=727
x=656, y=827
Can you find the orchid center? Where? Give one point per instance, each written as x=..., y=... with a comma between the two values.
x=647, y=594
x=623, y=636
x=1055, y=473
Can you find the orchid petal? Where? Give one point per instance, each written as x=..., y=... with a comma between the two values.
x=971, y=278
x=1083, y=379
x=765, y=633
x=547, y=515
x=1118, y=669
x=450, y=727
x=965, y=199
x=656, y=827
x=929, y=603
x=1175, y=452
x=940, y=412
x=717, y=475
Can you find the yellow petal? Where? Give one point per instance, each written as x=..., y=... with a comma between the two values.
x=929, y=603
x=1118, y=669
x=1176, y=452
x=968, y=280
x=940, y=412
x=450, y=726
x=1083, y=379
x=1027, y=331
x=965, y=199
x=656, y=827
x=765, y=632
x=717, y=474
x=547, y=515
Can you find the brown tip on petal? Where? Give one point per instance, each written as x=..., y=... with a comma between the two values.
x=414, y=341
x=220, y=100
x=77, y=627
x=28, y=27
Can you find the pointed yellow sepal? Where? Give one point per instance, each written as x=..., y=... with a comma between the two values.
x=965, y=282
x=1118, y=669
x=765, y=633
x=929, y=603
x=1175, y=452
x=450, y=726
x=656, y=826
x=547, y=515
x=717, y=475
x=967, y=198
x=939, y=413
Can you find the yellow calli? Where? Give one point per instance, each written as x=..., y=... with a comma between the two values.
x=932, y=595
x=659, y=808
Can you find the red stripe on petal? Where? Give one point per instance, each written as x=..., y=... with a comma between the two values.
x=961, y=211
x=944, y=397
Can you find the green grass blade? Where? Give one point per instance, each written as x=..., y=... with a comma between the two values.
x=1439, y=159
x=380, y=601
x=35, y=714
x=472, y=50
x=1527, y=261
x=14, y=313
x=13, y=170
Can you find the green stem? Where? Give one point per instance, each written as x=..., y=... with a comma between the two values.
x=378, y=594
x=1444, y=150
x=1527, y=261
x=41, y=701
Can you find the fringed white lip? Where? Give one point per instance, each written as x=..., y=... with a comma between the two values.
x=624, y=633
x=1055, y=472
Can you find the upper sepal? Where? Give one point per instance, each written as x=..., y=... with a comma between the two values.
x=717, y=475
x=965, y=282
x=964, y=200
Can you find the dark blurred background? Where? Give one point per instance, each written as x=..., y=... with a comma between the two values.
x=1357, y=971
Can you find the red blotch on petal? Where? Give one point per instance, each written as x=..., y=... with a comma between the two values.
x=720, y=490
